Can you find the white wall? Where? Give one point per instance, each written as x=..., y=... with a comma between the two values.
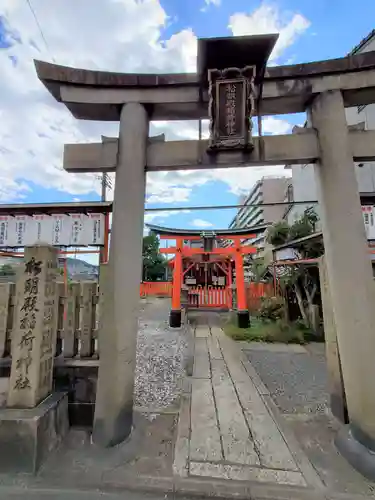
x=304, y=186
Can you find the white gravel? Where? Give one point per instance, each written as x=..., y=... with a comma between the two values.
x=161, y=354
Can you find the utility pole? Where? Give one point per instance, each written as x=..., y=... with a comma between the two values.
x=104, y=186
x=103, y=198
x=106, y=183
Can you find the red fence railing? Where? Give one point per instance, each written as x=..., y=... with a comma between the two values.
x=255, y=293
x=210, y=297
x=156, y=288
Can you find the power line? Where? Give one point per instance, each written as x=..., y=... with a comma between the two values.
x=225, y=207
x=40, y=29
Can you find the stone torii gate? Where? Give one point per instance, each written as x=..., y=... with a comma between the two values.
x=230, y=87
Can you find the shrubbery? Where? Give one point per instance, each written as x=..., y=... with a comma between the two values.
x=272, y=308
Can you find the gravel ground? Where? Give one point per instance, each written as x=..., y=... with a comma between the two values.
x=161, y=354
x=297, y=381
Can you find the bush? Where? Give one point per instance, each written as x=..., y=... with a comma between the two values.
x=284, y=332
x=266, y=331
x=309, y=334
x=272, y=308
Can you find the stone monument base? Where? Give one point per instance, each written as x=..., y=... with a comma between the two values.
x=27, y=436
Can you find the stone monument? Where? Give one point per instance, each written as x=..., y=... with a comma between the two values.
x=35, y=419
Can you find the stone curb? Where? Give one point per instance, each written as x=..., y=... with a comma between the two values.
x=206, y=488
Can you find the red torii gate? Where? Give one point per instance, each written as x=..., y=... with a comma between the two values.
x=236, y=251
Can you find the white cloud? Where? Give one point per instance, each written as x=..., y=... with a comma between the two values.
x=275, y=126
x=241, y=179
x=118, y=35
x=268, y=19
x=200, y=223
x=215, y=3
x=151, y=216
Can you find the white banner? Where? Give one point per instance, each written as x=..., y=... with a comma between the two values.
x=58, y=230
x=4, y=230
x=80, y=232
x=368, y=217
x=96, y=227
x=61, y=230
x=40, y=230
x=16, y=231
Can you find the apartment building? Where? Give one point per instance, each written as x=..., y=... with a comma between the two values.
x=302, y=185
x=267, y=190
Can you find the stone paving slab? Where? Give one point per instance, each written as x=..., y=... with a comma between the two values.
x=214, y=348
x=205, y=443
x=201, y=359
x=232, y=433
x=243, y=473
x=202, y=331
x=272, y=449
x=273, y=347
x=237, y=443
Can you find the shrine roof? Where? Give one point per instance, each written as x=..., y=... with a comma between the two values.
x=234, y=52
x=96, y=207
x=51, y=74
x=219, y=232
x=97, y=95
x=297, y=242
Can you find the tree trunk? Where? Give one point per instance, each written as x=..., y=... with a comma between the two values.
x=311, y=307
x=304, y=314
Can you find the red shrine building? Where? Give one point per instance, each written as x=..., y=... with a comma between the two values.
x=206, y=269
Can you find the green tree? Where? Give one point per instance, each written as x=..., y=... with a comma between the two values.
x=302, y=277
x=258, y=268
x=154, y=264
x=7, y=270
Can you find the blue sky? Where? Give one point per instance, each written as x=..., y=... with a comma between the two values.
x=148, y=36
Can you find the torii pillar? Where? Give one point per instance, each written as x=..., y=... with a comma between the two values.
x=350, y=277
x=243, y=316
x=175, y=315
x=114, y=398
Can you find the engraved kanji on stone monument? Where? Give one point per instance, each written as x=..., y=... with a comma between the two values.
x=34, y=336
x=71, y=320
x=231, y=106
x=6, y=293
x=87, y=343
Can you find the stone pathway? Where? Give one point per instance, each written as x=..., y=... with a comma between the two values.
x=225, y=429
